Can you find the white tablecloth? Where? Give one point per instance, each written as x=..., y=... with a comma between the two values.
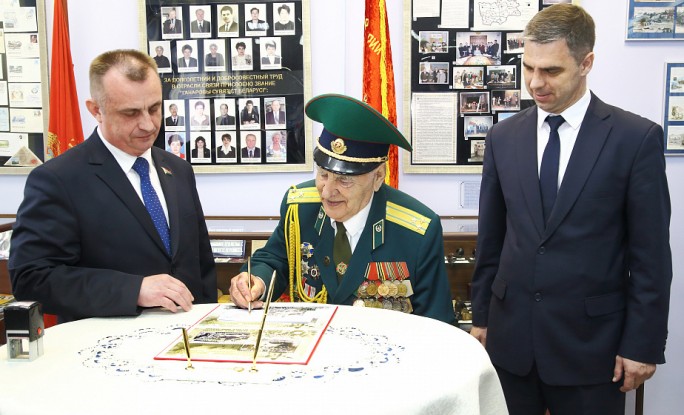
x=370, y=361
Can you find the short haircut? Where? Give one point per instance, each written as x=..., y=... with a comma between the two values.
x=199, y=103
x=227, y=8
x=240, y=44
x=223, y=105
x=271, y=43
x=564, y=21
x=175, y=137
x=133, y=64
x=226, y=137
x=249, y=101
x=187, y=47
x=173, y=105
x=284, y=7
x=254, y=8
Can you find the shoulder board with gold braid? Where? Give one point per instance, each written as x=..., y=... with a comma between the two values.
x=303, y=195
x=407, y=218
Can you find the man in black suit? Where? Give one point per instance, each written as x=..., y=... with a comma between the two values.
x=256, y=24
x=200, y=25
x=174, y=120
x=172, y=25
x=276, y=115
x=84, y=243
x=229, y=25
x=187, y=61
x=251, y=150
x=225, y=118
x=571, y=286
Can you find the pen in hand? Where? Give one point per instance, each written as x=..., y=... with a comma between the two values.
x=249, y=285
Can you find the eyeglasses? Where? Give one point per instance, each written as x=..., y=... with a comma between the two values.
x=341, y=179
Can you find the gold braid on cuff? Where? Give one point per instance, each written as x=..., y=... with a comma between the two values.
x=351, y=159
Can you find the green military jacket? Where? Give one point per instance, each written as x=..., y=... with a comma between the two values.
x=401, y=236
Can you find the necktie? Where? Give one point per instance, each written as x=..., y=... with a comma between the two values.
x=151, y=200
x=251, y=153
x=548, y=173
x=341, y=251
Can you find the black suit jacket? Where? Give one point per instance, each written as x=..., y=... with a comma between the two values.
x=180, y=120
x=177, y=28
x=245, y=152
x=595, y=281
x=232, y=28
x=220, y=154
x=83, y=240
x=228, y=120
x=270, y=119
x=192, y=63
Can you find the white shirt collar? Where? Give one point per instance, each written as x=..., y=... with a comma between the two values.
x=356, y=223
x=573, y=115
x=124, y=159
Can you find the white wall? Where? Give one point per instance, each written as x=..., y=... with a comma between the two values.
x=627, y=74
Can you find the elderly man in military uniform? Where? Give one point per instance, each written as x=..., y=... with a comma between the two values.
x=347, y=237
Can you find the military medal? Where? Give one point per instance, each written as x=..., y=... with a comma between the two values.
x=315, y=272
x=307, y=250
x=393, y=290
x=359, y=303
x=372, y=289
x=401, y=290
x=383, y=290
x=341, y=268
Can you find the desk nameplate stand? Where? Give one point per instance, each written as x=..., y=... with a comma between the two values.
x=24, y=327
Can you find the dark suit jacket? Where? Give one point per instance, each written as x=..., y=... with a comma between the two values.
x=178, y=27
x=83, y=240
x=270, y=119
x=383, y=240
x=265, y=61
x=180, y=120
x=181, y=63
x=229, y=120
x=220, y=154
x=206, y=153
x=595, y=281
x=206, y=27
x=232, y=28
x=245, y=152
x=162, y=61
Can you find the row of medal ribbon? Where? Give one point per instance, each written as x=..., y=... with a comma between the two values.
x=390, y=295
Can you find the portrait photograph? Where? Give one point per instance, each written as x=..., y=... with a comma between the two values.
x=255, y=19
x=250, y=114
x=228, y=20
x=276, y=151
x=478, y=48
x=477, y=126
x=172, y=22
x=160, y=51
x=433, y=73
x=271, y=54
x=283, y=19
x=468, y=77
x=226, y=147
x=224, y=113
x=187, y=56
x=433, y=41
x=200, y=25
x=501, y=77
x=241, y=51
x=214, y=55
x=474, y=102
x=477, y=149
x=175, y=144
x=250, y=146
x=515, y=43
x=199, y=114
x=275, y=112
x=174, y=115
x=508, y=100
x=200, y=147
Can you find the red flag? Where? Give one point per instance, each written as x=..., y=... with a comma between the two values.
x=65, y=130
x=378, y=75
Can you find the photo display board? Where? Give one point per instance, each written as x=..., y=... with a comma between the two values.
x=464, y=76
x=235, y=78
x=24, y=97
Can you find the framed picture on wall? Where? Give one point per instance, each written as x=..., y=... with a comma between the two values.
x=24, y=90
x=233, y=73
x=673, y=111
x=655, y=20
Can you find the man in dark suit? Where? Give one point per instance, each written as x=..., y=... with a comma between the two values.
x=358, y=240
x=114, y=224
x=200, y=25
x=225, y=118
x=172, y=25
x=229, y=25
x=251, y=150
x=187, y=61
x=276, y=115
x=572, y=282
x=174, y=120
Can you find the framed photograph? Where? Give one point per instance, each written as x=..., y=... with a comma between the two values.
x=474, y=102
x=508, y=100
x=655, y=20
x=673, y=114
x=228, y=64
x=479, y=48
x=276, y=146
x=175, y=144
x=515, y=43
x=434, y=73
x=501, y=76
x=434, y=42
x=477, y=126
x=24, y=87
x=469, y=77
x=477, y=149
